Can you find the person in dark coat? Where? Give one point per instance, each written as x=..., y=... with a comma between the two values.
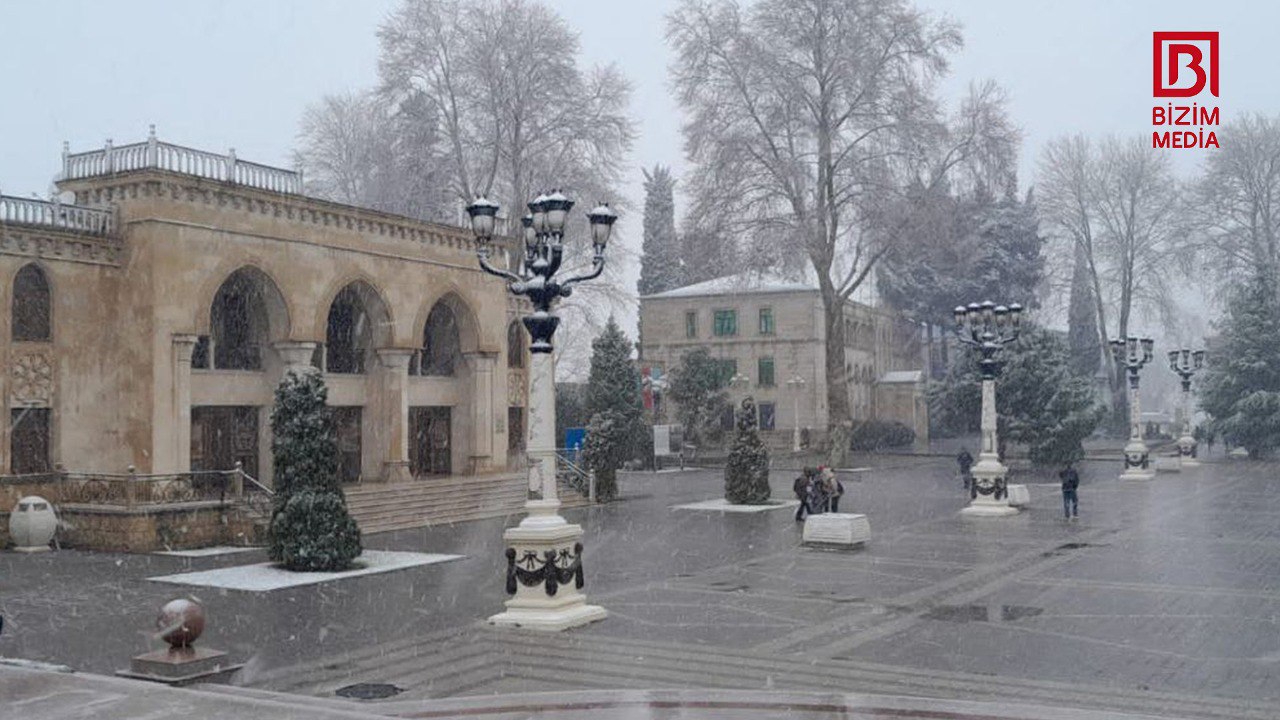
x=965, y=461
x=803, y=488
x=1070, y=485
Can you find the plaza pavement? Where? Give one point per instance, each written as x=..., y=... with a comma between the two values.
x=1163, y=599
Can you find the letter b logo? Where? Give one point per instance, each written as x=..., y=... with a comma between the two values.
x=1179, y=63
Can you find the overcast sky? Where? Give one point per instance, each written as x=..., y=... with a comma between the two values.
x=238, y=73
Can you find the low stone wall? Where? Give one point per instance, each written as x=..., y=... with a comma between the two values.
x=142, y=529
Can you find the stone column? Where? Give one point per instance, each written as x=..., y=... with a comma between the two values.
x=394, y=415
x=1137, y=465
x=989, y=474
x=183, y=346
x=482, y=364
x=541, y=435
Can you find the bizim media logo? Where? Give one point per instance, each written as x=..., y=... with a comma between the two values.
x=1184, y=65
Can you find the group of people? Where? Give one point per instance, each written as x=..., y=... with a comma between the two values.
x=818, y=490
x=1069, y=477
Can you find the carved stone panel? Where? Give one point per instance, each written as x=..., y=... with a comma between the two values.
x=31, y=379
x=515, y=388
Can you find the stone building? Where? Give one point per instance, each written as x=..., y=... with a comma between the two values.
x=146, y=320
x=770, y=330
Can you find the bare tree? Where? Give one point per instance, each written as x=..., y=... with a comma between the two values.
x=338, y=146
x=1111, y=209
x=356, y=150
x=806, y=118
x=516, y=113
x=1237, y=228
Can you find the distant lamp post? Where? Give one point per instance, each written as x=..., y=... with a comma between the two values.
x=987, y=328
x=796, y=385
x=1186, y=363
x=544, y=552
x=1131, y=354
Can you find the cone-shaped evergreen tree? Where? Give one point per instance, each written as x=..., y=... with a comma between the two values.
x=746, y=473
x=1241, y=388
x=613, y=391
x=1082, y=321
x=310, y=527
x=660, y=261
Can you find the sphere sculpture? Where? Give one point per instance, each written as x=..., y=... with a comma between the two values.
x=180, y=622
x=32, y=524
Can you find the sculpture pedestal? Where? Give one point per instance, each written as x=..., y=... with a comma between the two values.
x=843, y=530
x=544, y=573
x=181, y=666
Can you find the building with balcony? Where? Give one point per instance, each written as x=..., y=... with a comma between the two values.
x=770, y=330
x=146, y=319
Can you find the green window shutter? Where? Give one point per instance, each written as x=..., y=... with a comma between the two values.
x=766, y=321
x=764, y=371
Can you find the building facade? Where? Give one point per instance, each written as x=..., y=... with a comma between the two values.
x=146, y=323
x=770, y=331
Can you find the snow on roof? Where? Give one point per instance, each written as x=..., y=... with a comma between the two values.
x=902, y=376
x=747, y=282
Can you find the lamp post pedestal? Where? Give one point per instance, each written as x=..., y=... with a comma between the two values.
x=1187, y=442
x=544, y=573
x=1137, y=457
x=990, y=493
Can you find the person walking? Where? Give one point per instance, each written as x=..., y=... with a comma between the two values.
x=965, y=461
x=833, y=488
x=803, y=489
x=1070, y=496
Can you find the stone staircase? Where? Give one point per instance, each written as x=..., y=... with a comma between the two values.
x=445, y=500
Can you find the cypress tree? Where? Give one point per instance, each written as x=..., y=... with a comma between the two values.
x=310, y=527
x=746, y=473
x=613, y=403
x=660, y=260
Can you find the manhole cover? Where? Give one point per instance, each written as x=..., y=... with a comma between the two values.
x=982, y=613
x=369, y=691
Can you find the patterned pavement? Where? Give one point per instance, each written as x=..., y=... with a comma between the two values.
x=1163, y=599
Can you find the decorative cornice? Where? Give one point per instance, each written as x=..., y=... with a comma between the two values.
x=53, y=244
x=123, y=187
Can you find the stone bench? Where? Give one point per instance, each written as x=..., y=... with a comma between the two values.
x=1019, y=496
x=1165, y=463
x=836, y=530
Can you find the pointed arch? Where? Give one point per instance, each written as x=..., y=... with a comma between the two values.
x=358, y=323
x=32, y=306
x=517, y=344
x=247, y=313
x=449, y=331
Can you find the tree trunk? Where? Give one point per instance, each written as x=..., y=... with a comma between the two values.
x=838, y=413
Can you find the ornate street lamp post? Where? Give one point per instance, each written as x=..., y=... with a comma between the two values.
x=1186, y=363
x=544, y=552
x=1131, y=354
x=987, y=327
x=796, y=385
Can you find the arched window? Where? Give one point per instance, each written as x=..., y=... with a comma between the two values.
x=441, y=346
x=31, y=306
x=349, y=338
x=515, y=345
x=239, y=324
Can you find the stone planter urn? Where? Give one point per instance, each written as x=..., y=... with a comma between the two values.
x=32, y=524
